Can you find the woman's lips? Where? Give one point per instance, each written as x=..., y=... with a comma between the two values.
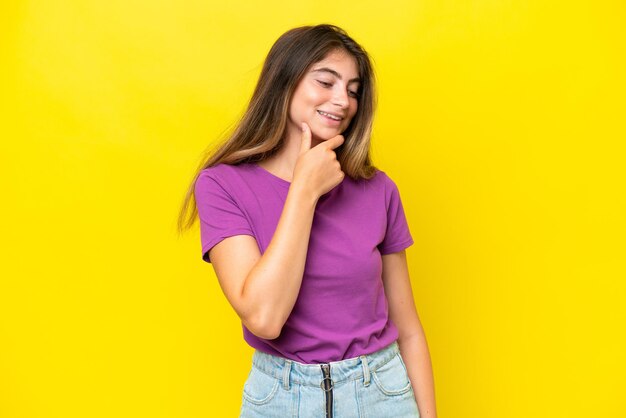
x=330, y=121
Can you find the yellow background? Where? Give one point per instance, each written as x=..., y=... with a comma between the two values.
x=502, y=122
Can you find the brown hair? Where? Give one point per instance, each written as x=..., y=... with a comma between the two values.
x=260, y=132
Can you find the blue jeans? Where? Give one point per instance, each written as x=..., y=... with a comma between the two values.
x=374, y=385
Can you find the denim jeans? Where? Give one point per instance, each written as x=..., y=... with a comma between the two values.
x=373, y=385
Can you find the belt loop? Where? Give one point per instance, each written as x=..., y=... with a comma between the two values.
x=286, y=371
x=366, y=371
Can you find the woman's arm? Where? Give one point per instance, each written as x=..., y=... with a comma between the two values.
x=411, y=339
x=263, y=289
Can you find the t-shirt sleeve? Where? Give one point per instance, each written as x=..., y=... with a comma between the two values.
x=398, y=236
x=220, y=216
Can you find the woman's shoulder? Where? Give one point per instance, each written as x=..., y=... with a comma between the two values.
x=222, y=176
x=380, y=177
x=225, y=173
x=381, y=183
x=223, y=169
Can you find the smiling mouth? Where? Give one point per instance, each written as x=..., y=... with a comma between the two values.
x=330, y=116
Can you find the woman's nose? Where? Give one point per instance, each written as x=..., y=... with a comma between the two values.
x=340, y=97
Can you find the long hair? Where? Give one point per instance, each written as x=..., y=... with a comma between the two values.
x=260, y=133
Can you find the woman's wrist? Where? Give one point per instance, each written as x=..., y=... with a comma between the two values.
x=303, y=193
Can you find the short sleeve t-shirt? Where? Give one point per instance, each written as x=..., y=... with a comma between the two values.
x=341, y=311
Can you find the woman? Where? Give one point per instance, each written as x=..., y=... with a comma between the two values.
x=308, y=238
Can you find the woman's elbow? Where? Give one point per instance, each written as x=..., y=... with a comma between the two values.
x=262, y=329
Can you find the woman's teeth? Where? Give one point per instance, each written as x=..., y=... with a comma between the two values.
x=329, y=115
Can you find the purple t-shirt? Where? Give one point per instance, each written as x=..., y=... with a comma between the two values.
x=341, y=311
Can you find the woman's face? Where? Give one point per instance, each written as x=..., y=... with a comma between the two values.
x=326, y=97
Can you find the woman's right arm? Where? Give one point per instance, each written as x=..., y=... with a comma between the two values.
x=263, y=288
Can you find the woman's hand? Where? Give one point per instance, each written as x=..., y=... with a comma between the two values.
x=317, y=168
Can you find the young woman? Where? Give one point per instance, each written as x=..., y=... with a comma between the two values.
x=307, y=239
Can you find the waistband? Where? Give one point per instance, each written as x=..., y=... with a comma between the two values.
x=291, y=371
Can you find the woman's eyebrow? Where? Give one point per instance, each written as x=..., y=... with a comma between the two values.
x=336, y=74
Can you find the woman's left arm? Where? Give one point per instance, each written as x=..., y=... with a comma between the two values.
x=411, y=339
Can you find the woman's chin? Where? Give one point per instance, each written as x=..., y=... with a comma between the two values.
x=325, y=134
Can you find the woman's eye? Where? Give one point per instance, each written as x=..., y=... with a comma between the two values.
x=328, y=85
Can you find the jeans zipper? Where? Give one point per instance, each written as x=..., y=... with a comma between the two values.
x=327, y=387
